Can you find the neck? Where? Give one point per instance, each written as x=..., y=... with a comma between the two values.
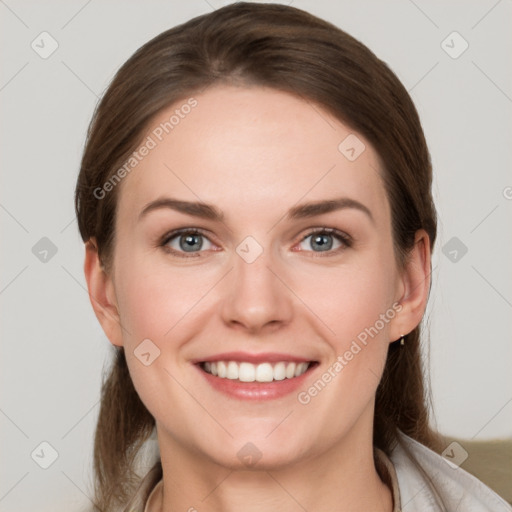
x=343, y=478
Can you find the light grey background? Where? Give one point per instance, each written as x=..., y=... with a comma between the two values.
x=53, y=349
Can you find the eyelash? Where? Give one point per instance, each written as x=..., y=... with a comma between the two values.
x=345, y=239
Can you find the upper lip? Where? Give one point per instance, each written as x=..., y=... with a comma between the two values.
x=264, y=357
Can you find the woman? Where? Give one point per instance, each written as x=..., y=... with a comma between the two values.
x=255, y=201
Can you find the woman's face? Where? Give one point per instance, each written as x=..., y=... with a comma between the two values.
x=256, y=286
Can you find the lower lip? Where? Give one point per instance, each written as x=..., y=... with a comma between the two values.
x=256, y=390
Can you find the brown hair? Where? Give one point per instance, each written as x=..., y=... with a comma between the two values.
x=290, y=50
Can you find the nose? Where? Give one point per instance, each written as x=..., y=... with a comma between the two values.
x=257, y=298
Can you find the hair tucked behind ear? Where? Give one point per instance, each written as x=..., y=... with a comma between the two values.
x=290, y=50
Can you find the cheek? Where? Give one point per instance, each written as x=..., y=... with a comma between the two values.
x=158, y=307
x=153, y=302
x=350, y=300
x=356, y=306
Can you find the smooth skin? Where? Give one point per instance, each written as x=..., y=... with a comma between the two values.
x=254, y=153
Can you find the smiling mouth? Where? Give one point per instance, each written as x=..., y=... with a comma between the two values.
x=263, y=372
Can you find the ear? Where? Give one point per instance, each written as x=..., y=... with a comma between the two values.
x=414, y=287
x=102, y=294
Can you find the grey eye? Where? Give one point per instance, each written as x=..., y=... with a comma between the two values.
x=188, y=242
x=321, y=242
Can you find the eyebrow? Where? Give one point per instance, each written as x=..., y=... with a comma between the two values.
x=196, y=209
x=210, y=212
x=326, y=206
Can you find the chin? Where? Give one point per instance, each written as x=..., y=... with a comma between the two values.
x=257, y=454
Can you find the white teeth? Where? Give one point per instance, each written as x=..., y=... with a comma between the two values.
x=232, y=371
x=248, y=372
x=264, y=372
x=301, y=368
x=279, y=371
x=221, y=369
x=290, y=370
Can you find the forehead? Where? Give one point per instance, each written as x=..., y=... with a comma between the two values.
x=244, y=148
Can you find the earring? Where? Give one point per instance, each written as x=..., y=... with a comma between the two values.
x=402, y=340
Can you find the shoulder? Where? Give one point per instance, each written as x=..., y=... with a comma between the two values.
x=429, y=483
